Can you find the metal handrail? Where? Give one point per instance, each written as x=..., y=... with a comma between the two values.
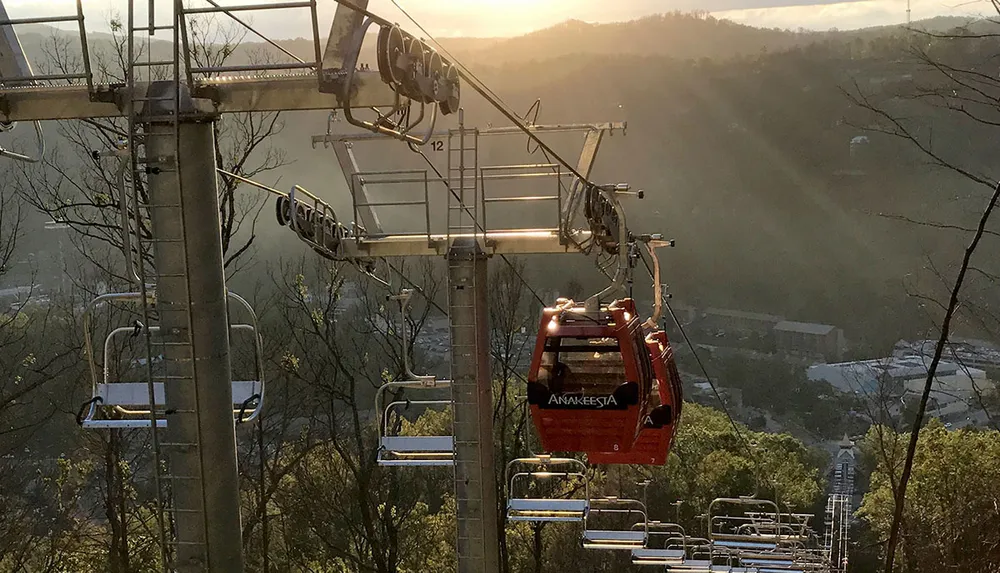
x=32, y=77
x=230, y=11
x=326, y=212
x=556, y=174
x=361, y=178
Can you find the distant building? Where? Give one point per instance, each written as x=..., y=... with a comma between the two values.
x=17, y=294
x=900, y=377
x=809, y=340
x=968, y=352
x=738, y=322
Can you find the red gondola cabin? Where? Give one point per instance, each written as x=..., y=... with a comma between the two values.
x=590, y=378
x=657, y=434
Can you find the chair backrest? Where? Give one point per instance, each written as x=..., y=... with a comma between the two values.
x=521, y=506
x=137, y=403
x=411, y=450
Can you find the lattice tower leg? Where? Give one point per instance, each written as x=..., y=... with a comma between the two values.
x=191, y=292
x=472, y=395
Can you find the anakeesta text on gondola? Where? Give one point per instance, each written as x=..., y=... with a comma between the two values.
x=604, y=383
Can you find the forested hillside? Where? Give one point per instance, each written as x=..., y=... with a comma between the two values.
x=741, y=138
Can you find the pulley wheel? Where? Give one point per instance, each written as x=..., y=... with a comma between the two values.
x=303, y=220
x=395, y=49
x=415, y=51
x=452, y=90
x=382, y=48
x=604, y=223
x=426, y=75
x=436, y=75
x=283, y=211
x=331, y=234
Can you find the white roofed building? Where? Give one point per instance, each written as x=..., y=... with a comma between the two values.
x=903, y=377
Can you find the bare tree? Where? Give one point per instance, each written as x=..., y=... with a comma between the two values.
x=76, y=185
x=33, y=364
x=513, y=323
x=338, y=349
x=953, y=88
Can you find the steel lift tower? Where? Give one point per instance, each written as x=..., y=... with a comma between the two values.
x=172, y=148
x=170, y=105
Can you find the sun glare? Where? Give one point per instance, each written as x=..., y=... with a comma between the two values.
x=487, y=17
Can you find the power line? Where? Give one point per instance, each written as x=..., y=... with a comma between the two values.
x=711, y=382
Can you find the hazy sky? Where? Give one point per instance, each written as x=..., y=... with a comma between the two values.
x=513, y=17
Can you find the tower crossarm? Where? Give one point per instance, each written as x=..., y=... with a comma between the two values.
x=293, y=92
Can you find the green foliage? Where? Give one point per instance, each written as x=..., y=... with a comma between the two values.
x=781, y=388
x=950, y=521
x=709, y=460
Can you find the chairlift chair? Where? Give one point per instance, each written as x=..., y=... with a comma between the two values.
x=130, y=400
x=652, y=447
x=409, y=450
x=403, y=450
x=596, y=533
x=692, y=566
x=665, y=546
x=721, y=525
x=590, y=377
x=777, y=561
x=522, y=473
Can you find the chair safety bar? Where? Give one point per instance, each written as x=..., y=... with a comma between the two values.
x=537, y=509
x=130, y=395
x=748, y=545
x=776, y=561
x=717, y=521
x=546, y=510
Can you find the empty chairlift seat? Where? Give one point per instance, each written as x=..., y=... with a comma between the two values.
x=541, y=489
x=665, y=545
x=395, y=449
x=666, y=398
x=613, y=523
x=770, y=562
x=743, y=543
x=692, y=566
x=590, y=378
x=123, y=396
